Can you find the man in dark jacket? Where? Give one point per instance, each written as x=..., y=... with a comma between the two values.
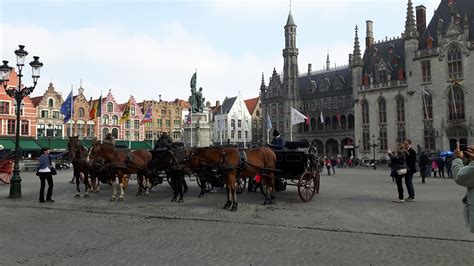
x=278, y=143
x=410, y=160
x=165, y=142
x=425, y=162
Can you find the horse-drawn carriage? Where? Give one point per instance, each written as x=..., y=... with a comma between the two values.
x=297, y=165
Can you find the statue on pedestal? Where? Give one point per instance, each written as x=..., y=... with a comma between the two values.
x=196, y=100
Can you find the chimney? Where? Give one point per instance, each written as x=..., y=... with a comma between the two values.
x=309, y=70
x=350, y=59
x=420, y=19
x=218, y=103
x=369, y=36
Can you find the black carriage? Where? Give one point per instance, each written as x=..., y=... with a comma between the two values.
x=296, y=165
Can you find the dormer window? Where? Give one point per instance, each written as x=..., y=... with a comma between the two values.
x=382, y=73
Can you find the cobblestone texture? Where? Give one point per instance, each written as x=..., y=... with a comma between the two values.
x=352, y=221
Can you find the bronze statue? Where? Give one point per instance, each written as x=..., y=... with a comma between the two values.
x=196, y=100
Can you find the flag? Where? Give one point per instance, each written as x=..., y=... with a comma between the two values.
x=189, y=119
x=67, y=107
x=96, y=109
x=321, y=117
x=269, y=122
x=148, y=115
x=297, y=117
x=425, y=92
x=307, y=119
x=126, y=112
x=193, y=80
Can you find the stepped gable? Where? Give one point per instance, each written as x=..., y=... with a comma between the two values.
x=326, y=81
x=461, y=7
x=391, y=52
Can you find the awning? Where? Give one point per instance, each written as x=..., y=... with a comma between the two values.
x=54, y=144
x=29, y=145
x=8, y=144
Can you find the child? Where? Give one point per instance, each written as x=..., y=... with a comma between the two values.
x=434, y=167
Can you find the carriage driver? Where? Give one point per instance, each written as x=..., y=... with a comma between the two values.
x=277, y=142
x=165, y=142
x=109, y=139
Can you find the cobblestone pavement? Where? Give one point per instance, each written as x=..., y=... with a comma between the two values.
x=352, y=221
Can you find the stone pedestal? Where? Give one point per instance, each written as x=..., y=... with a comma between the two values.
x=198, y=133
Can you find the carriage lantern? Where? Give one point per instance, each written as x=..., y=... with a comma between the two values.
x=18, y=93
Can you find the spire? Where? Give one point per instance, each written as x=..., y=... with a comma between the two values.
x=263, y=80
x=290, y=21
x=328, y=62
x=357, y=59
x=410, y=25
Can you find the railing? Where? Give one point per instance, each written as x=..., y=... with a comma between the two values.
x=379, y=86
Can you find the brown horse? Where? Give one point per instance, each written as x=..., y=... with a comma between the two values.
x=228, y=163
x=78, y=155
x=122, y=163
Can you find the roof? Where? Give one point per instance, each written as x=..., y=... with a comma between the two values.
x=216, y=109
x=227, y=105
x=183, y=103
x=341, y=77
x=251, y=104
x=36, y=100
x=444, y=12
x=391, y=52
x=290, y=21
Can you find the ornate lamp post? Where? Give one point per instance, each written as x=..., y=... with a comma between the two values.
x=18, y=93
x=374, y=145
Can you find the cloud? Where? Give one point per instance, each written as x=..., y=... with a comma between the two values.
x=108, y=57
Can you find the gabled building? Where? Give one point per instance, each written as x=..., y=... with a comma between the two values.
x=254, y=108
x=417, y=86
x=165, y=117
x=132, y=127
x=232, y=123
x=111, y=114
x=80, y=123
x=50, y=122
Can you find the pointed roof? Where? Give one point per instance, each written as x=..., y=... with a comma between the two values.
x=227, y=104
x=410, y=25
x=357, y=60
x=251, y=104
x=290, y=21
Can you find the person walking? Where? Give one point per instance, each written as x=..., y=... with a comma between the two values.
x=397, y=162
x=464, y=176
x=449, y=163
x=410, y=160
x=440, y=163
x=333, y=165
x=434, y=167
x=424, y=164
x=45, y=173
x=328, y=165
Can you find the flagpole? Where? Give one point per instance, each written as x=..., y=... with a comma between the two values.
x=72, y=107
x=191, y=114
x=130, y=124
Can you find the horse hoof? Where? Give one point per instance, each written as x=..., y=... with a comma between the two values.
x=201, y=195
x=180, y=201
x=234, y=208
x=112, y=199
x=77, y=196
x=173, y=200
x=86, y=195
x=226, y=206
x=120, y=199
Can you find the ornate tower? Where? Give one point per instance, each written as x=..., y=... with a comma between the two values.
x=290, y=56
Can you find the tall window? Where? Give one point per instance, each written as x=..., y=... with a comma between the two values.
x=401, y=136
x=239, y=123
x=114, y=120
x=176, y=123
x=11, y=126
x=105, y=119
x=366, y=138
x=168, y=123
x=56, y=114
x=280, y=108
x=127, y=124
x=365, y=112
x=382, y=111
x=159, y=123
x=427, y=106
x=110, y=107
x=429, y=138
x=400, y=109
x=426, y=71
x=25, y=127
x=148, y=134
x=41, y=129
x=50, y=103
x=382, y=73
x=456, y=104
x=115, y=132
x=4, y=108
x=59, y=131
x=136, y=124
x=383, y=137
x=81, y=112
x=454, y=62
x=90, y=131
x=132, y=111
x=44, y=113
x=239, y=134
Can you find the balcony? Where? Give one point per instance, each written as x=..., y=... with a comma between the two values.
x=381, y=86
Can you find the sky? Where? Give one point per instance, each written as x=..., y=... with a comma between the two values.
x=148, y=48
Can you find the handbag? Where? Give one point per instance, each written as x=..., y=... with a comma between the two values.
x=51, y=167
x=402, y=171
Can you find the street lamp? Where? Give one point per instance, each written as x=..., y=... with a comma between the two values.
x=374, y=145
x=50, y=133
x=18, y=93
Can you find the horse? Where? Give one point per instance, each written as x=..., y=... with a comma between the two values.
x=173, y=162
x=228, y=162
x=121, y=163
x=78, y=155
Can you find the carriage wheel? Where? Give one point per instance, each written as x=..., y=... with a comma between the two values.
x=240, y=183
x=307, y=186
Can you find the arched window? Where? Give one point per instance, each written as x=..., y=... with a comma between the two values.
x=382, y=73
x=280, y=108
x=343, y=122
x=110, y=107
x=400, y=109
x=454, y=62
x=81, y=112
x=320, y=125
x=313, y=124
x=104, y=132
x=334, y=123
x=105, y=119
x=456, y=103
x=115, y=133
x=365, y=112
x=350, y=121
x=50, y=103
x=382, y=111
x=327, y=122
x=427, y=99
x=114, y=120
